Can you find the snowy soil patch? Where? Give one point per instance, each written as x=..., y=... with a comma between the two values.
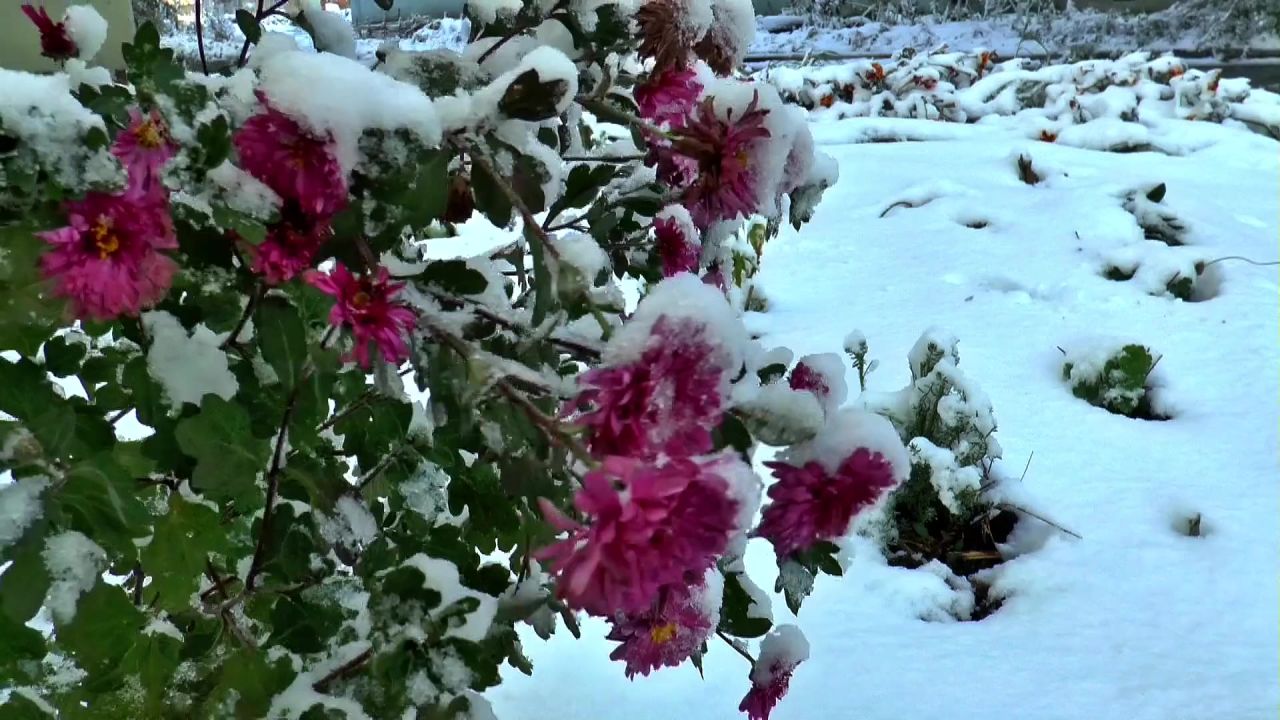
x=1166, y=606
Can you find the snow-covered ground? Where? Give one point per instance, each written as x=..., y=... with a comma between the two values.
x=1134, y=621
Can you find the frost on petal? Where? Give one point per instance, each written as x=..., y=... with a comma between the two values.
x=74, y=563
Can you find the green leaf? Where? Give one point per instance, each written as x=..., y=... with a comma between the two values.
x=228, y=456
x=63, y=358
x=312, y=480
x=24, y=584
x=175, y=559
x=428, y=195
x=103, y=630
x=455, y=276
x=249, y=26
x=100, y=499
x=152, y=660
x=18, y=707
x=21, y=649
x=303, y=627
x=582, y=186
x=491, y=201
x=248, y=683
x=283, y=339
x=733, y=614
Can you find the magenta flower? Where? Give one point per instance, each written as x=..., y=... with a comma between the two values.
x=650, y=525
x=667, y=401
x=781, y=652
x=810, y=504
x=804, y=377
x=677, y=241
x=294, y=162
x=143, y=148
x=724, y=186
x=55, y=41
x=107, y=260
x=291, y=245
x=763, y=697
x=668, y=633
x=366, y=306
x=668, y=96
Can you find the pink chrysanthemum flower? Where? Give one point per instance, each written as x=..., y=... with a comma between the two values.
x=678, y=247
x=780, y=654
x=55, y=41
x=667, y=401
x=293, y=161
x=804, y=377
x=107, y=260
x=291, y=245
x=366, y=306
x=668, y=633
x=724, y=187
x=668, y=96
x=810, y=504
x=143, y=148
x=650, y=524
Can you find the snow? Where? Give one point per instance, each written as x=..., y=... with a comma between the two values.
x=442, y=576
x=332, y=32
x=352, y=524
x=486, y=11
x=41, y=112
x=681, y=297
x=74, y=563
x=188, y=367
x=19, y=507
x=783, y=648
x=847, y=431
x=87, y=28
x=1136, y=621
x=354, y=99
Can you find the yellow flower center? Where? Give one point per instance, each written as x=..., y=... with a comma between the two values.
x=104, y=238
x=360, y=299
x=662, y=634
x=149, y=135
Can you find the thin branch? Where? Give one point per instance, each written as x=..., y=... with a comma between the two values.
x=244, y=49
x=478, y=158
x=254, y=298
x=492, y=316
x=736, y=648
x=1041, y=518
x=610, y=159
x=138, y=577
x=344, y=670
x=204, y=64
x=274, y=472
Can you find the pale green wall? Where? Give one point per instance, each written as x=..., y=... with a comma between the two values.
x=20, y=43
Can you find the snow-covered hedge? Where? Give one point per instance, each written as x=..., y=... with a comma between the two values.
x=969, y=87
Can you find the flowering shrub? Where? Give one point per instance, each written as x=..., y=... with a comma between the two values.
x=271, y=451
